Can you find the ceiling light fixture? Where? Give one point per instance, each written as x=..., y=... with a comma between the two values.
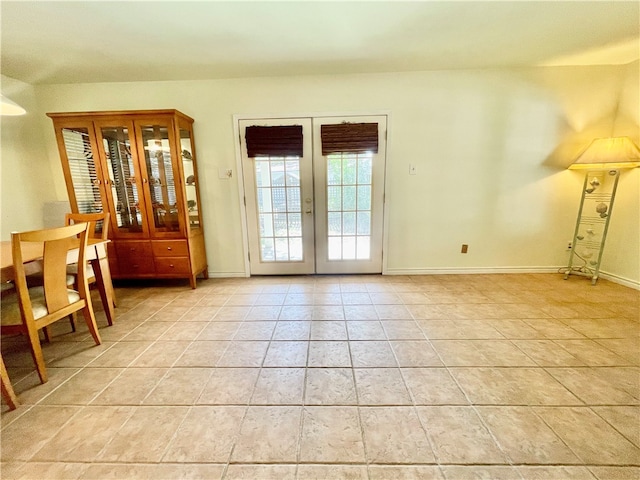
x=9, y=107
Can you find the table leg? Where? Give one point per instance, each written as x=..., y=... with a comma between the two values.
x=105, y=287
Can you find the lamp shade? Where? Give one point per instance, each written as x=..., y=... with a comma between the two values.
x=612, y=152
x=9, y=107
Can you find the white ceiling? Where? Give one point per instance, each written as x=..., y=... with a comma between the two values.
x=67, y=42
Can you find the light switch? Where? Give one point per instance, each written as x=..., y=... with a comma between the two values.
x=412, y=169
x=225, y=173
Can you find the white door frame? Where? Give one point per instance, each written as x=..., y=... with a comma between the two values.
x=240, y=183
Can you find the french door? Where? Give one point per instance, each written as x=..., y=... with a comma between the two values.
x=279, y=205
x=317, y=209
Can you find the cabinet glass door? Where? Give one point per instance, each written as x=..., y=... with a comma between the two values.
x=188, y=168
x=82, y=169
x=124, y=184
x=156, y=146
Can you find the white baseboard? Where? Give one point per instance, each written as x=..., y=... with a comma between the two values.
x=627, y=282
x=468, y=271
x=227, y=275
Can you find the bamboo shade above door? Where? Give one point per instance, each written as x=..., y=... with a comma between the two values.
x=349, y=138
x=278, y=140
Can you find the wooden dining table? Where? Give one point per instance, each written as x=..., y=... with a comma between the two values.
x=96, y=253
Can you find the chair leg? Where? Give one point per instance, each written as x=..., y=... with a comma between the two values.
x=90, y=318
x=36, y=352
x=7, y=390
x=72, y=322
x=105, y=303
x=46, y=331
x=103, y=282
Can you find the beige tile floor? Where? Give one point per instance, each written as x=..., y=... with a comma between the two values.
x=429, y=377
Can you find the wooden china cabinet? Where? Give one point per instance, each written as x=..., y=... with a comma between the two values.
x=141, y=167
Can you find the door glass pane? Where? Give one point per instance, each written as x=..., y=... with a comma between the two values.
x=364, y=198
x=282, y=249
x=348, y=198
x=293, y=199
x=267, y=249
x=334, y=171
x=334, y=199
x=365, y=169
x=266, y=225
x=280, y=222
x=157, y=154
x=349, y=169
x=364, y=223
x=335, y=223
x=295, y=225
x=186, y=153
x=363, y=247
x=280, y=208
x=263, y=174
x=292, y=178
x=278, y=196
x=277, y=172
x=334, y=246
x=295, y=248
x=123, y=182
x=349, y=177
x=348, y=248
x=83, y=169
x=349, y=223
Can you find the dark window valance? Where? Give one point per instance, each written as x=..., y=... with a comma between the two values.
x=276, y=141
x=349, y=137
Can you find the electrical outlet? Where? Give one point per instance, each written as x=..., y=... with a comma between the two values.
x=569, y=245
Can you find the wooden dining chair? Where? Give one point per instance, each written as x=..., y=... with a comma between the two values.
x=98, y=228
x=32, y=309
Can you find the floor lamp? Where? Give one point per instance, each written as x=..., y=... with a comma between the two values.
x=603, y=159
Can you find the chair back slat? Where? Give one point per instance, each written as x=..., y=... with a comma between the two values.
x=56, y=245
x=98, y=223
x=54, y=271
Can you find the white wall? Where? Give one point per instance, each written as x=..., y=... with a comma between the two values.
x=491, y=149
x=622, y=250
x=25, y=167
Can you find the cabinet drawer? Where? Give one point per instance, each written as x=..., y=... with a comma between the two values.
x=114, y=268
x=133, y=249
x=113, y=259
x=136, y=265
x=170, y=248
x=167, y=265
